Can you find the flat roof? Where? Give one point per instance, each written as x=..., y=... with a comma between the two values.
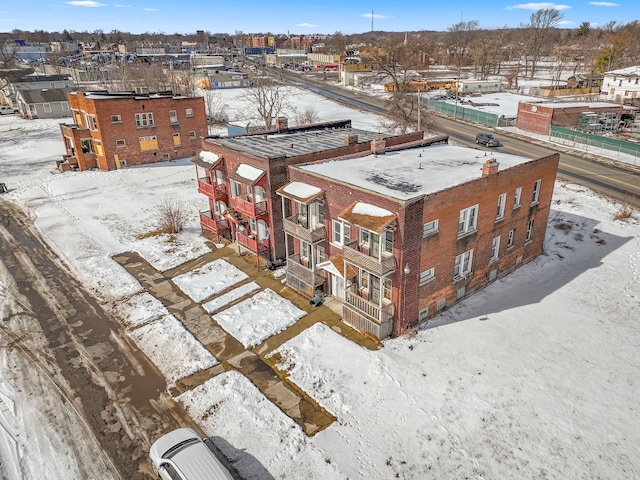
x=293, y=144
x=415, y=172
x=585, y=105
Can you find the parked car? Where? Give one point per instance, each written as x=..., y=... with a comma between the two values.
x=182, y=455
x=487, y=139
x=5, y=110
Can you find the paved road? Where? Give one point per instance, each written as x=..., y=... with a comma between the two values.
x=605, y=176
x=115, y=388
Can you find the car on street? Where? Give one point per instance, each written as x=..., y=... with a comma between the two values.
x=487, y=139
x=6, y=110
x=182, y=455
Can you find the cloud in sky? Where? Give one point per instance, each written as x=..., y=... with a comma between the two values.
x=121, y=6
x=150, y=9
x=372, y=15
x=310, y=25
x=604, y=4
x=86, y=3
x=538, y=6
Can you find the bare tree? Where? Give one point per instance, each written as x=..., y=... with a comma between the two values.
x=406, y=113
x=8, y=55
x=216, y=108
x=541, y=23
x=172, y=215
x=308, y=116
x=268, y=99
x=460, y=37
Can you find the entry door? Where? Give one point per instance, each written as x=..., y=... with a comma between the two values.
x=337, y=286
x=374, y=285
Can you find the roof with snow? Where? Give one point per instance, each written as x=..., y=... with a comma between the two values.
x=585, y=105
x=624, y=72
x=248, y=172
x=299, y=191
x=415, y=172
x=369, y=216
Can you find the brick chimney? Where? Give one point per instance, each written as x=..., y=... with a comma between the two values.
x=282, y=123
x=378, y=145
x=351, y=139
x=490, y=167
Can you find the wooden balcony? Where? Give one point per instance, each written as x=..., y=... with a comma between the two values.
x=215, y=192
x=368, y=317
x=259, y=247
x=246, y=206
x=352, y=253
x=298, y=227
x=302, y=278
x=214, y=223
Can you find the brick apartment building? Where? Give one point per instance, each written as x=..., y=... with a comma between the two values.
x=396, y=228
x=240, y=176
x=117, y=129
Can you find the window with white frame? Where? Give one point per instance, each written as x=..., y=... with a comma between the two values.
x=320, y=254
x=386, y=289
x=188, y=112
x=121, y=143
x=387, y=244
x=468, y=220
x=236, y=189
x=144, y=119
x=495, y=249
x=517, y=196
x=462, y=265
x=502, y=201
x=427, y=275
x=173, y=116
x=423, y=314
x=346, y=233
x=440, y=304
x=192, y=134
x=529, y=230
x=536, y=192
x=512, y=238
x=253, y=225
x=65, y=106
x=337, y=232
x=116, y=119
x=46, y=107
x=305, y=250
x=430, y=228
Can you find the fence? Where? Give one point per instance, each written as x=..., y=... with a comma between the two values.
x=589, y=142
x=469, y=114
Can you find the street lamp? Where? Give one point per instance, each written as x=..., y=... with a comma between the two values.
x=407, y=271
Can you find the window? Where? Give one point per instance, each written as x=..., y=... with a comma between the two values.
x=121, y=143
x=192, y=134
x=46, y=107
x=516, y=197
x=386, y=289
x=502, y=201
x=467, y=220
x=173, y=116
x=536, y=192
x=116, y=119
x=441, y=304
x=305, y=250
x=462, y=266
x=188, y=112
x=97, y=144
x=423, y=314
x=387, y=246
x=176, y=140
x=529, y=231
x=495, y=249
x=320, y=254
x=236, y=189
x=427, y=275
x=144, y=120
x=337, y=232
x=346, y=233
x=65, y=106
x=512, y=238
x=430, y=228
x=149, y=143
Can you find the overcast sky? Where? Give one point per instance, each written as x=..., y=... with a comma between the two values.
x=300, y=17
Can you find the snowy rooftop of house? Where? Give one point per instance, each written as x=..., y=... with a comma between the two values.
x=631, y=71
x=208, y=157
x=300, y=191
x=414, y=172
x=585, y=105
x=249, y=172
x=293, y=144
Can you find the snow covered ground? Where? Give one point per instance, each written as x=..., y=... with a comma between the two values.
x=534, y=377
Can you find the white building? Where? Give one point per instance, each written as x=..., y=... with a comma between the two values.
x=622, y=85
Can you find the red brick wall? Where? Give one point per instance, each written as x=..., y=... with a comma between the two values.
x=534, y=118
x=127, y=130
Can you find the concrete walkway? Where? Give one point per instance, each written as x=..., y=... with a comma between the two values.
x=252, y=363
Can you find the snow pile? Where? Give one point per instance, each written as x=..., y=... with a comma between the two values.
x=230, y=297
x=210, y=279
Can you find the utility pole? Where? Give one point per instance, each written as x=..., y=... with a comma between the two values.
x=372, y=20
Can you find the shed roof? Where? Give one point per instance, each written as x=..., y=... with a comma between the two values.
x=368, y=216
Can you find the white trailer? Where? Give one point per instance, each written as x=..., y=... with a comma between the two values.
x=467, y=87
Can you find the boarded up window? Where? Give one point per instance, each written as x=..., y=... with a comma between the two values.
x=148, y=143
x=176, y=140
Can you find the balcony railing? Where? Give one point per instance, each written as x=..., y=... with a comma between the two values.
x=368, y=317
x=214, y=223
x=297, y=268
x=252, y=243
x=352, y=253
x=212, y=191
x=244, y=204
x=298, y=227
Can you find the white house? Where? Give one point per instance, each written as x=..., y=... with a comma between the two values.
x=622, y=85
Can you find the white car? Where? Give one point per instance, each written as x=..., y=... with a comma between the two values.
x=5, y=110
x=183, y=455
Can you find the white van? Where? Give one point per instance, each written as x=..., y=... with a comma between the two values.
x=183, y=455
x=5, y=110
